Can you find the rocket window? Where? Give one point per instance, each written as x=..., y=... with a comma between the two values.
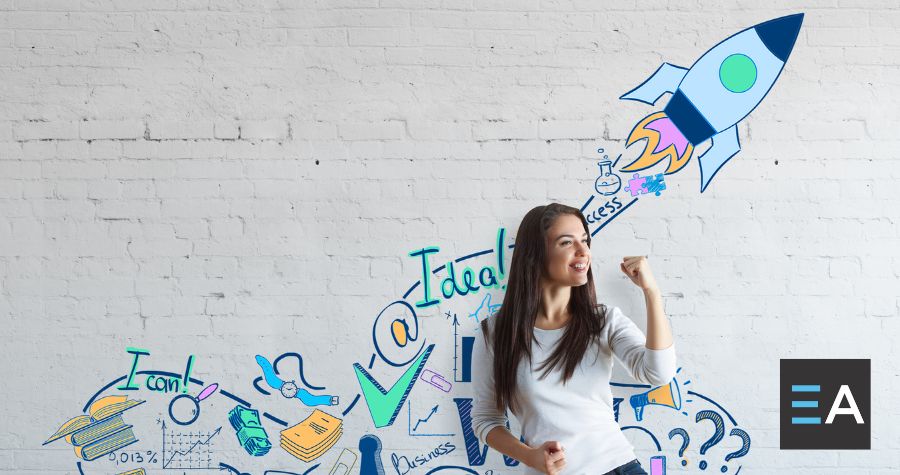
x=737, y=73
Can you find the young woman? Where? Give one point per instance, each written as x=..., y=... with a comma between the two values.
x=548, y=353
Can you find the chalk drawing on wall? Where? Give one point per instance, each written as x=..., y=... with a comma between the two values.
x=459, y=284
x=234, y=471
x=179, y=448
x=289, y=389
x=394, y=330
x=404, y=465
x=384, y=405
x=658, y=465
x=131, y=457
x=648, y=403
x=418, y=428
x=163, y=383
x=250, y=433
x=604, y=210
x=475, y=453
x=188, y=450
x=436, y=380
x=370, y=455
x=742, y=451
x=641, y=185
x=608, y=182
x=313, y=436
x=188, y=407
x=711, y=97
x=718, y=435
x=668, y=395
x=485, y=308
x=678, y=407
x=137, y=471
x=462, y=355
x=344, y=464
x=101, y=431
x=685, y=441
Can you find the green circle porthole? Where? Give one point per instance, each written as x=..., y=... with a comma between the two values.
x=737, y=73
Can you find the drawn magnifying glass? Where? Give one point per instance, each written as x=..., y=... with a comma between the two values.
x=195, y=412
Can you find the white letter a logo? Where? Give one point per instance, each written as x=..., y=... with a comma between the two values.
x=844, y=392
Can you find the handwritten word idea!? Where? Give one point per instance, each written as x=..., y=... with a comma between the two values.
x=164, y=384
x=461, y=283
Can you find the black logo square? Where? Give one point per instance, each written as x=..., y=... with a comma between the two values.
x=826, y=404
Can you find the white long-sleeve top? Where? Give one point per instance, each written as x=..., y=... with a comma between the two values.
x=579, y=415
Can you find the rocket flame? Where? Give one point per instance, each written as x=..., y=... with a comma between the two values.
x=664, y=140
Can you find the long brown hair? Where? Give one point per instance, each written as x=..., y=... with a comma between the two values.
x=514, y=322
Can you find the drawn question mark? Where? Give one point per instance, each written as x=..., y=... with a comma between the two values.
x=684, y=443
x=745, y=447
x=717, y=436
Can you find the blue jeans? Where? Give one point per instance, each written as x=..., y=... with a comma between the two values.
x=630, y=468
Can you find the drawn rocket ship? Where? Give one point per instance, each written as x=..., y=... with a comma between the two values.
x=709, y=99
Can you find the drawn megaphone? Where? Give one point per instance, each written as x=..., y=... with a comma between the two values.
x=289, y=389
x=668, y=395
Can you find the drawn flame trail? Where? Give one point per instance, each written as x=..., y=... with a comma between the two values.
x=664, y=140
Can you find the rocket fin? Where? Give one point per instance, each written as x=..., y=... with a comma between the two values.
x=665, y=79
x=725, y=145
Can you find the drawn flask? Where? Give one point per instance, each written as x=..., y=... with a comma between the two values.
x=608, y=183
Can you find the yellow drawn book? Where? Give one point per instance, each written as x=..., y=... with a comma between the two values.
x=112, y=442
x=101, y=409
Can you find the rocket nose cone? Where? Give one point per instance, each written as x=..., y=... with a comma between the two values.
x=780, y=34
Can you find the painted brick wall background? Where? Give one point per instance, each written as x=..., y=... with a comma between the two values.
x=231, y=178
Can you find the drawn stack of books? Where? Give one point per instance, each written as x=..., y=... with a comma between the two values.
x=312, y=437
x=101, y=431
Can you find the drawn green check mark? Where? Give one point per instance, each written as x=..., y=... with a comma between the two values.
x=385, y=405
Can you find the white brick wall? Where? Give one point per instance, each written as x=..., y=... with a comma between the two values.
x=244, y=177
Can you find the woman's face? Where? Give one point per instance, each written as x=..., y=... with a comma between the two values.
x=568, y=253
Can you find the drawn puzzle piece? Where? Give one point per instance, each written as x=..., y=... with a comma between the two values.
x=636, y=185
x=655, y=183
x=647, y=184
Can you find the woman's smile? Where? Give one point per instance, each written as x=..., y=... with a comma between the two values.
x=580, y=266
